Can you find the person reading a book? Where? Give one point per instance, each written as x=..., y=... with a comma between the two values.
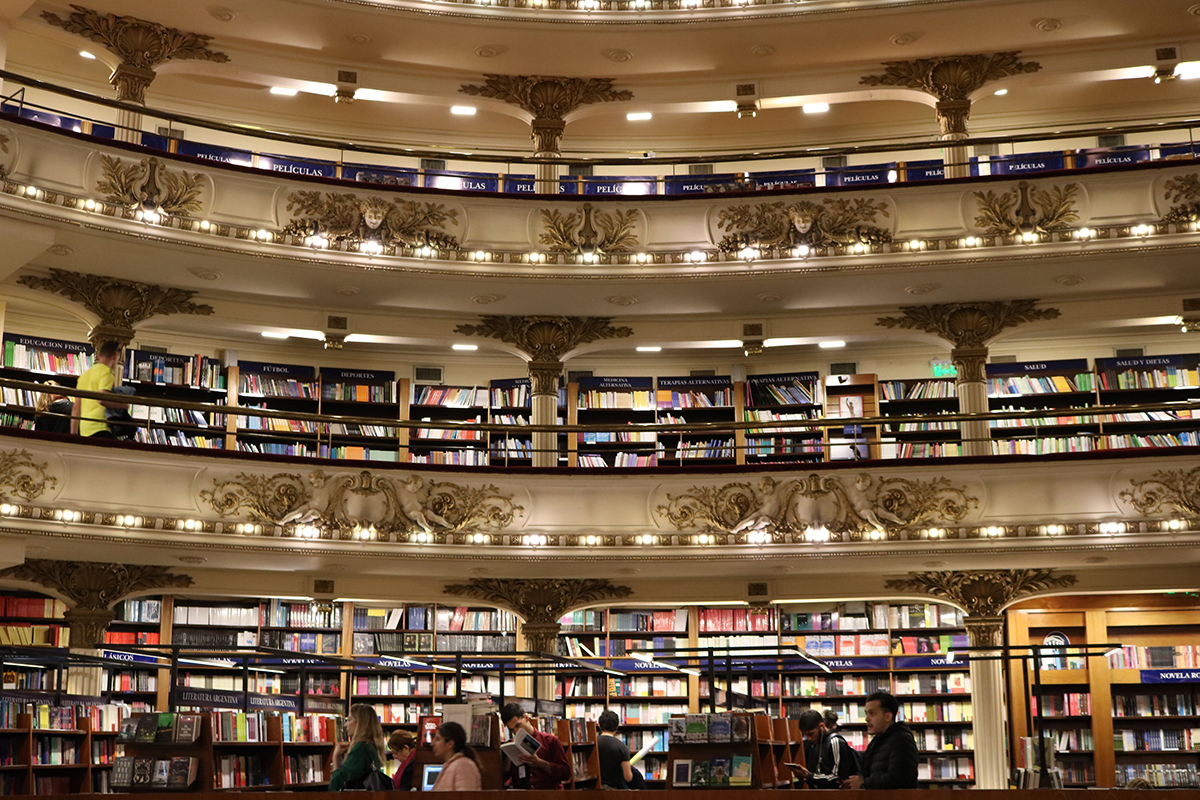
x=830, y=759
x=548, y=768
x=366, y=749
x=616, y=771
x=403, y=746
x=460, y=773
x=87, y=415
x=890, y=761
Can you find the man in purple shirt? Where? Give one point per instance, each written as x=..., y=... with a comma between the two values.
x=548, y=768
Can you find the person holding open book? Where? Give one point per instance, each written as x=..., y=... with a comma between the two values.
x=547, y=768
x=829, y=757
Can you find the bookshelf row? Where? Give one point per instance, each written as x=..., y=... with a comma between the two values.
x=1060, y=388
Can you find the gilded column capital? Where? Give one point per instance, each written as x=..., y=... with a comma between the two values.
x=951, y=77
x=984, y=631
x=141, y=45
x=968, y=325
x=540, y=603
x=983, y=593
x=952, y=116
x=120, y=304
x=545, y=339
x=92, y=588
x=543, y=376
x=969, y=363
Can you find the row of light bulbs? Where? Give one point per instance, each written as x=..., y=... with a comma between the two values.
x=629, y=5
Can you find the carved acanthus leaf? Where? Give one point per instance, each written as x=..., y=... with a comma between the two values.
x=264, y=498
x=140, y=43
x=1166, y=492
x=1184, y=192
x=92, y=584
x=549, y=97
x=545, y=339
x=843, y=506
x=119, y=303
x=781, y=225
x=1026, y=209
x=576, y=231
x=951, y=77
x=985, y=592
x=540, y=601
x=137, y=184
x=22, y=478
x=969, y=324
x=342, y=216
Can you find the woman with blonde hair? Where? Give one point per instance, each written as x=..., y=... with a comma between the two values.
x=366, y=749
x=53, y=412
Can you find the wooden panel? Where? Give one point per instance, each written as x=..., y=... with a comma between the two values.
x=1108, y=601
x=1055, y=619
x=404, y=398
x=1117, y=619
x=739, y=415
x=1101, y=691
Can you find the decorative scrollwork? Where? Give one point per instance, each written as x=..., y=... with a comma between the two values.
x=982, y=592
x=1172, y=491
x=470, y=508
x=345, y=217
x=545, y=339
x=136, y=185
x=1178, y=190
x=838, y=221
x=576, y=231
x=797, y=505
x=22, y=478
x=1026, y=209
x=265, y=498
x=969, y=325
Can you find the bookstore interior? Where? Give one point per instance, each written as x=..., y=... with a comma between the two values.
x=747, y=380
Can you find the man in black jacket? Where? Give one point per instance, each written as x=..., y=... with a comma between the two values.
x=890, y=761
x=827, y=755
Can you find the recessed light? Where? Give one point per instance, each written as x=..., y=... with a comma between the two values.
x=273, y=335
x=649, y=349
x=638, y=115
x=464, y=347
x=815, y=108
x=369, y=94
x=86, y=54
x=1000, y=92
x=285, y=91
x=830, y=345
x=463, y=111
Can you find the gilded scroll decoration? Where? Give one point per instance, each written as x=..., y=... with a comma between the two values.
x=1165, y=492
x=783, y=225
x=346, y=217
x=1184, y=192
x=149, y=185
x=337, y=504
x=983, y=592
x=839, y=505
x=969, y=325
x=545, y=339
x=22, y=478
x=589, y=231
x=1026, y=209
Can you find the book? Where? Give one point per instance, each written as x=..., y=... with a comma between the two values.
x=701, y=773
x=128, y=731
x=719, y=769
x=162, y=771
x=646, y=748
x=143, y=771
x=740, y=770
x=147, y=728
x=164, y=729
x=522, y=744
x=683, y=772
x=183, y=772
x=427, y=728
x=187, y=728
x=720, y=727
x=697, y=728
x=739, y=728
x=676, y=730
x=122, y=773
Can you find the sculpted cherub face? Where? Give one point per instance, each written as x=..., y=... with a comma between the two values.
x=316, y=478
x=373, y=213
x=802, y=220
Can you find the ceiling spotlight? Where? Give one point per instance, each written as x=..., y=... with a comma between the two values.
x=87, y=55
x=815, y=108
x=285, y=91
x=649, y=349
x=639, y=116
x=830, y=344
x=274, y=335
x=463, y=111
x=1000, y=92
x=464, y=347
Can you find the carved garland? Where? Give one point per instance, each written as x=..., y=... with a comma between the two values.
x=1178, y=190
x=1166, y=492
x=576, y=231
x=832, y=222
x=137, y=186
x=345, y=217
x=1026, y=209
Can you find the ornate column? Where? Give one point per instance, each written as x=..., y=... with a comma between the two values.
x=141, y=45
x=952, y=80
x=540, y=604
x=120, y=304
x=549, y=99
x=969, y=327
x=546, y=340
x=91, y=589
x=983, y=595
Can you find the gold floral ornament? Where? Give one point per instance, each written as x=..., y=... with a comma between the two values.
x=969, y=324
x=338, y=504
x=22, y=478
x=545, y=339
x=1026, y=209
x=845, y=508
x=1166, y=492
x=589, y=231
x=1184, y=192
x=345, y=217
x=983, y=592
x=149, y=186
x=781, y=225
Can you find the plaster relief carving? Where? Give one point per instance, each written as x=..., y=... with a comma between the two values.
x=1183, y=192
x=1027, y=209
x=1165, y=493
x=783, y=225
x=150, y=186
x=969, y=324
x=338, y=504
x=545, y=339
x=3, y=149
x=982, y=592
x=588, y=231
x=345, y=217
x=846, y=507
x=22, y=478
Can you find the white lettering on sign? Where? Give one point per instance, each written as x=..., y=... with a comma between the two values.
x=271, y=368
x=1114, y=160
x=296, y=169
x=860, y=178
x=1029, y=165
x=476, y=185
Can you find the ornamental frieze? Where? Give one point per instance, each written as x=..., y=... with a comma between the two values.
x=342, y=505
x=781, y=225
x=1174, y=492
x=589, y=231
x=23, y=478
x=1027, y=209
x=345, y=217
x=3, y=149
x=149, y=186
x=1183, y=193
x=844, y=506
